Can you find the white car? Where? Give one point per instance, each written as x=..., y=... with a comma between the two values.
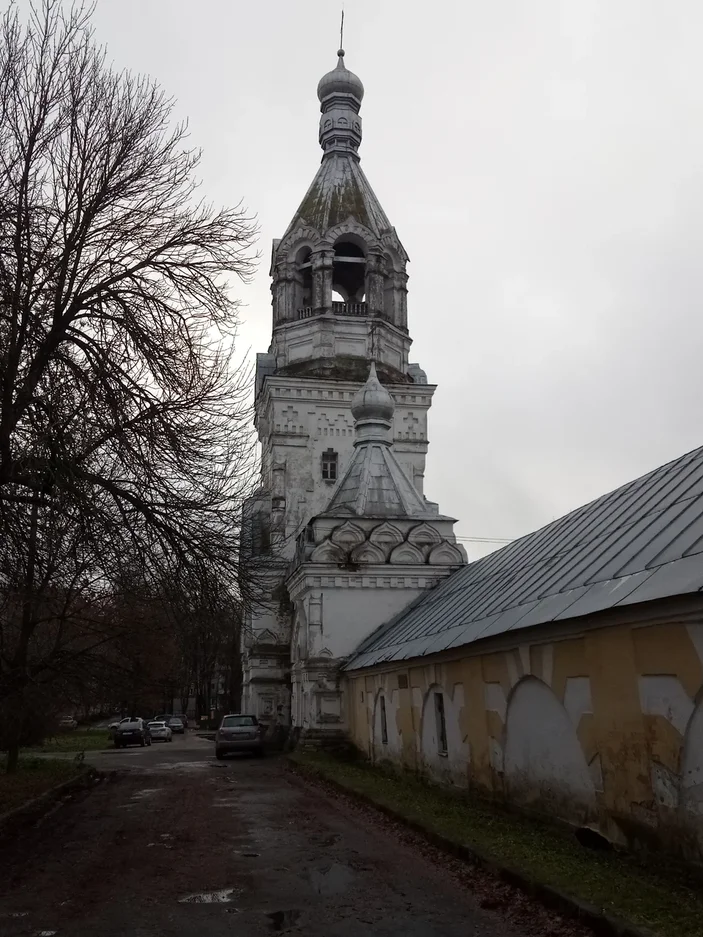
x=160, y=731
x=112, y=728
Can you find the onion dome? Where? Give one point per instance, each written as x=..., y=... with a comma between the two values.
x=340, y=81
x=372, y=408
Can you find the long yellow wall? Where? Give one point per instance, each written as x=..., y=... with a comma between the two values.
x=604, y=728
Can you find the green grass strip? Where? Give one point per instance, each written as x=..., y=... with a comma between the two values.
x=34, y=776
x=77, y=740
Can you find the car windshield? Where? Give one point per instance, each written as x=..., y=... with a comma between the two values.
x=234, y=721
x=176, y=722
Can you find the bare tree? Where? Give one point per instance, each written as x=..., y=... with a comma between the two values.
x=124, y=420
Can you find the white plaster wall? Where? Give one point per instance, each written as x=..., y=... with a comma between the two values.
x=692, y=764
x=543, y=758
x=350, y=615
x=306, y=417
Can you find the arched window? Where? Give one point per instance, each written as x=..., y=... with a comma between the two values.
x=349, y=273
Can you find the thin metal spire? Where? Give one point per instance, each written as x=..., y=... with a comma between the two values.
x=341, y=31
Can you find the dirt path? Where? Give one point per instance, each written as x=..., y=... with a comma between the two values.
x=122, y=860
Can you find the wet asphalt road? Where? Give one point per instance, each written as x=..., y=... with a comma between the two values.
x=179, y=844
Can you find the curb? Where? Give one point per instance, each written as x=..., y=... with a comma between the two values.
x=602, y=924
x=36, y=808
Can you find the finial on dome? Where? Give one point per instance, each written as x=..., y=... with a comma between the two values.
x=372, y=408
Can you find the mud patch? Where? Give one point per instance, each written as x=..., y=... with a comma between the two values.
x=280, y=920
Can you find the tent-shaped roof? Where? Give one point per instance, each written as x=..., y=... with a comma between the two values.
x=341, y=190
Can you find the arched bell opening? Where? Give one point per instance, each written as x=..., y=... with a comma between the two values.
x=303, y=268
x=349, y=278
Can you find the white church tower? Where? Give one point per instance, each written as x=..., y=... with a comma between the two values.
x=339, y=286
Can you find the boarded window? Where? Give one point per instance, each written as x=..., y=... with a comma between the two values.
x=441, y=723
x=384, y=723
x=329, y=465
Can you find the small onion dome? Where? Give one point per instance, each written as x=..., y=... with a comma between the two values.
x=372, y=403
x=340, y=81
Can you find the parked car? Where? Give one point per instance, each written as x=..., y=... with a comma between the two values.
x=132, y=732
x=238, y=732
x=183, y=718
x=68, y=722
x=176, y=725
x=112, y=728
x=160, y=731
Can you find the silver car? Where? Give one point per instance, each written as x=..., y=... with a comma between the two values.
x=239, y=732
x=160, y=732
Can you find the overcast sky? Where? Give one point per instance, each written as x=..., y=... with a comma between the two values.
x=543, y=166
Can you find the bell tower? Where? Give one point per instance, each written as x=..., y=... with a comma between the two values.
x=339, y=301
x=338, y=274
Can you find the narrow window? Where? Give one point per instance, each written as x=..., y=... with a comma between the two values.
x=384, y=724
x=329, y=465
x=441, y=724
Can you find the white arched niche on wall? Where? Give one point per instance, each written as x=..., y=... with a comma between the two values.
x=544, y=762
x=444, y=751
x=386, y=738
x=692, y=765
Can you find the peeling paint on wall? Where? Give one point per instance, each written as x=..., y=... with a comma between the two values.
x=663, y=695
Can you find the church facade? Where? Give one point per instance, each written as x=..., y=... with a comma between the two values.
x=562, y=673
x=340, y=532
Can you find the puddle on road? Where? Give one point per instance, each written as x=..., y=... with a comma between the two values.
x=145, y=792
x=222, y=896
x=334, y=880
x=279, y=920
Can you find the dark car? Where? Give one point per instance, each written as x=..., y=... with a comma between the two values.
x=134, y=732
x=175, y=723
x=239, y=732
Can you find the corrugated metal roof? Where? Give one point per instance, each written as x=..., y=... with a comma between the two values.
x=641, y=542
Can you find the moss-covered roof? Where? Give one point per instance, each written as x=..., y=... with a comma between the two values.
x=341, y=189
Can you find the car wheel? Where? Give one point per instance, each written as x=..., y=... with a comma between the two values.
x=117, y=745
x=219, y=755
x=260, y=753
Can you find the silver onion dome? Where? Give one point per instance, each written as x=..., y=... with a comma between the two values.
x=372, y=403
x=340, y=81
